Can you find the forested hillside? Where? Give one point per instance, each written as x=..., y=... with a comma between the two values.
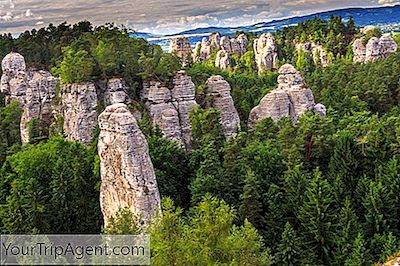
x=322, y=191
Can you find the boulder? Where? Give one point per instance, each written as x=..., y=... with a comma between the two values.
x=218, y=95
x=266, y=52
x=291, y=99
x=14, y=79
x=127, y=174
x=79, y=109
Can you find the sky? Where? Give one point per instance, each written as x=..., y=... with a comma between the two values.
x=162, y=16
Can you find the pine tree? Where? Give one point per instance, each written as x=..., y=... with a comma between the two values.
x=316, y=219
x=347, y=229
x=251, y=207
x=359, y=254
x=289, y=250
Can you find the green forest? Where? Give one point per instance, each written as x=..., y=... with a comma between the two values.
x=323, y=191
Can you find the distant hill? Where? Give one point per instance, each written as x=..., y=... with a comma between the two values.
x=387, y=18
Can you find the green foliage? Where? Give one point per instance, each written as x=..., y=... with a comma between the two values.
x=207, y=236
x=124, y=223
x=50, y=188
x=289, y=249
x=172, y=169
x=77, y=66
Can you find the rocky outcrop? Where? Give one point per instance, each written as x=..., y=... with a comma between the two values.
x=359, y=51
x=317, y=52
x=388, y=45
x=38, y=101
x=127, y=174
x=223, y=59
x=375, y=49
x=79, y=109
x=291, y=99
x=203, y=51
x=181, y=47
x=234, y=45
x=162, y=111
x=266, y=52
x=218, y=95
x=215, y=39
x=116, y=92
x=14, y=79
x=183, y=97
x=169, y=108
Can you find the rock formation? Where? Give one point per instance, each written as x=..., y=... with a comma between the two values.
x=203, y=51
x=215, y=39
x=116, y=92
x=181, y=47
x=218, y=95
x=38, y=101
x=183, y=97
x=234, y=45
x=317, y=52
x=127, y=173
x=79, y=109
x=169, y=108
x=14, y=79
x=223, y=59
x=266, y=52
x=374, y=50
x=388, y=45
x=291, y=99
x=359, y=51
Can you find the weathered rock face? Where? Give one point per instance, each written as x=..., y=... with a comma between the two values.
x=215, y=39
x=266, y=52
x=203, y=51
x=242, y=42
x=232, y=45
x=183, y=97
x=388, y=45
x=38, y=101
x=223, y=59
x=14, y=79
x=359, y=51
x=181, y=47
x=116, y=92
x=291, y=99
x=374, y=50
x=79, y=104
x=169, y=108
x=127, y=173
x=163, y=112
x=317, y=51
x=218, y=94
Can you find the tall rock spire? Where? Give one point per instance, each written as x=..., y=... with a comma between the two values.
x=127, y=173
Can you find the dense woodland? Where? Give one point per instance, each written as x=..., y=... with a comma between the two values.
x=322, y=192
